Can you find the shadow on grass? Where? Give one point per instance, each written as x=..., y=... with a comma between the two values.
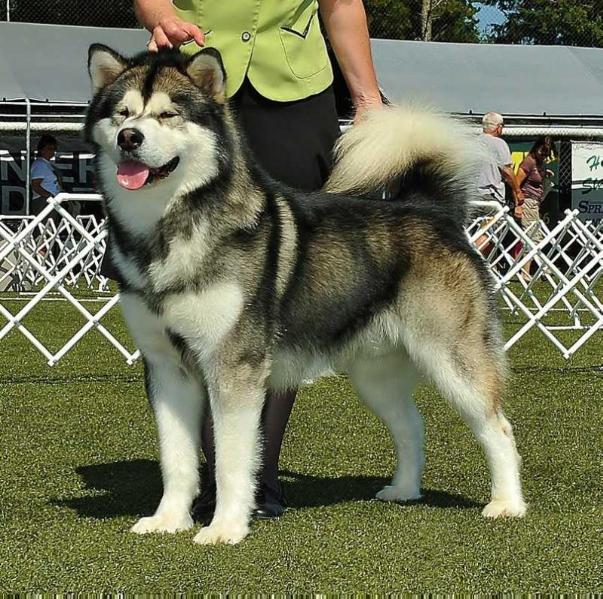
x=311, y=491
x=131, y=488
x=134, y=488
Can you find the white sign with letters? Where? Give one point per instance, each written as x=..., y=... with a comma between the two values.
x=587, y=179
x=75, y=168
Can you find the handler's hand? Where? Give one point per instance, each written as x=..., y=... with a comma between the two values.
x=173, y=32
x=365, y=106
x=518, y=211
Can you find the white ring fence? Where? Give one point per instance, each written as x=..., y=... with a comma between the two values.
x=56, y=257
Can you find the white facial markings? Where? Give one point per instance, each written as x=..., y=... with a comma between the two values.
x=161, y=143
x=200, y=157
x=158, y=103
x=138, y=211
x=104, y=134
x=133, y=102
x=196, y=147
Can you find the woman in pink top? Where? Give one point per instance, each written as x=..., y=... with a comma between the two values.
x=531, y=177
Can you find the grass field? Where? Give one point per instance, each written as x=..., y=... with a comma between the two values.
x=80, y=466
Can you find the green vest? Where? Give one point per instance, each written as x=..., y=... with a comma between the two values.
x=277, y=44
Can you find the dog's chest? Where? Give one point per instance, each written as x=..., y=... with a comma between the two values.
x=201, y=318
x=183, y=261
x=172, y=264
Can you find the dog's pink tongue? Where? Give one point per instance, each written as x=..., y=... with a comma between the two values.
x=132, y=174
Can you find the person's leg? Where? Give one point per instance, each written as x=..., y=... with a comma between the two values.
x=482, y=243
x=292, y=141
x=530, y=222
x=275, y=417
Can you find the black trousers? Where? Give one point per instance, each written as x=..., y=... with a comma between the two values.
x=293, y=141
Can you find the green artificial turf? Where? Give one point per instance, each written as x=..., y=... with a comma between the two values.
x=79, y=466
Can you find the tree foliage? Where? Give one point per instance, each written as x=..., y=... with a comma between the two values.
x=110, y=13
x=563, y=22
x=452, y=20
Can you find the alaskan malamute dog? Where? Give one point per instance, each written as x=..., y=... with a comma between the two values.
x=232, y=283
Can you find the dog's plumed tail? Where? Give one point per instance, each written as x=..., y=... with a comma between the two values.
x=419, y=149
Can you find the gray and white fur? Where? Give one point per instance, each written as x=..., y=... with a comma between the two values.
x=232, y=283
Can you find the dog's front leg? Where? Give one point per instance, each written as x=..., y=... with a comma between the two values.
x=237, y=397
x=177, y=400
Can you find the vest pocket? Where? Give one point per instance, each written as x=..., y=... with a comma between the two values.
x=304, y=46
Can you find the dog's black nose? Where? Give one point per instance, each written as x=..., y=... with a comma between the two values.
x=129, y=139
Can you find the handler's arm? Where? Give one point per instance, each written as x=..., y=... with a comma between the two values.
x=345, y=23
x=167, y=29
x=514, y=181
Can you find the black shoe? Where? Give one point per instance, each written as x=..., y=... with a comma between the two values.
x=270, y=503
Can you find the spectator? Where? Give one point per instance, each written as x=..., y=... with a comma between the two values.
x=496, y=170
x=45, y=181
x=531, y=177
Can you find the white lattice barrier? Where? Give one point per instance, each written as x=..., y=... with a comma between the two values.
x=56, y=257
x=563, y=291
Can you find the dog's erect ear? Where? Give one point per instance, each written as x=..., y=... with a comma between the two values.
x=206, y=71
x=104, y=65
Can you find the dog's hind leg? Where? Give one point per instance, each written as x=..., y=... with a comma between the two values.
x=385, y=384
x=469, y=371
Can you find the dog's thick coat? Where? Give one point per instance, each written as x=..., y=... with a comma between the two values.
x=232, y=283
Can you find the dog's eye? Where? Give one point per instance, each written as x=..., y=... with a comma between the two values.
x=124, y=112
x=168, y=115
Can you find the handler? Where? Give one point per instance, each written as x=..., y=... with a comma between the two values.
x=279, y=79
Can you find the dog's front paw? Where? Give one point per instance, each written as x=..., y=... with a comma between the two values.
x=503, y=508
x=163, y=523
x=392, y=493
x=221, y=533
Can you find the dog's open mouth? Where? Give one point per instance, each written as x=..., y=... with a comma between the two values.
x=132, y=174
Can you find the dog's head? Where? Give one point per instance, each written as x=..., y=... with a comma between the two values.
x=156, y=119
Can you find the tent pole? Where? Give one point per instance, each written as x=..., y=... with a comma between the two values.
x=8, y=11
x=27, y=157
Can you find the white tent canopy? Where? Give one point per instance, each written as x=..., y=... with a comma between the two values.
x=527, y=82
x=47, y=63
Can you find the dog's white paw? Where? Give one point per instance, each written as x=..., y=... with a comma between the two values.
x=221, y=533
x=393, y=493
x=163, y=523
x=501, y=508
